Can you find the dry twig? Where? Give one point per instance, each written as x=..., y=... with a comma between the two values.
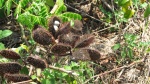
x=115, y=69
x=83, y=13
x=63, y=70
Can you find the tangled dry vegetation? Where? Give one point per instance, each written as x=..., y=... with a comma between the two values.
x=115, y=50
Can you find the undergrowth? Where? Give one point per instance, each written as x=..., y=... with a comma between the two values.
x=57, y=50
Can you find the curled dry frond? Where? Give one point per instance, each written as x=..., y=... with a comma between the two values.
x=60, y=49
x=42, y=36
x=86, y=54
x=11, y=67
x=84, y=41
x=9, y=54
x=16, y=77
x=64, y=29
x=37, y=62
x=69, y=39
x=54, y=24
x=77, y=28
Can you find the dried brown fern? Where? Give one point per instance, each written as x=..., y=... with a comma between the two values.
x=54, y=24
x=16, y=77
x=11, y=67
x=69, y=39
x=84, y=41
x=86, y=54
x=37, y=62
x=64, y=29
x=42, y=36
x=77, y=28
x=60, y=49
x=9, y=54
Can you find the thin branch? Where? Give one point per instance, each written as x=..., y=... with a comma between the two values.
x=54, y=9
x=23, y=34
x=72, y=73
x=63, y=70
x=108, y=6
x=83, y=13
x=115, y=69
x=23, y=82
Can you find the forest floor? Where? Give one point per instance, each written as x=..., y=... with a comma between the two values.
x=116, y=66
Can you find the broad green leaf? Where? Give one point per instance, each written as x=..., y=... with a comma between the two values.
x=2, y=46
x=122, y=2
x=116, y=46
x=129, y=13
x=24, y=70
x=50, y=2
x=144, y=5
x=29, y=19
x=147, y=11
x=67, y=67
x=5, y=33
x=33, y=77
x=48, y=81
x=25, y=47
x=1, y=3
x=60, y=9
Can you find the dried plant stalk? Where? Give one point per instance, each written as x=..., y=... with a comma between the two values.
x=9, y=54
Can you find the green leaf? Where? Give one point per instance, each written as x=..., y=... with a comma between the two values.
x=5, y=33
x=60, y=2
x=48, y=81
x=8, y=6
x=60, y=9
x=144, y=5
x=116, y=46
x=1, y=3
x=22, y=4
x=147, y=11
x=122, y=2
x=24, y=70
x=50, y=2
x=33, y=77
x=68, y=16
x=29, y=19
x=130, y=53
x=123, y=52
x=129, y=13
x=2, y=46
x=67, y=67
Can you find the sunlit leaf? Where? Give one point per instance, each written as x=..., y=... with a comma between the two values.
x=2, y=46
x=147, y=11
x=116, y=46
x=8, y=6
x=129, y=13
x=1, y=3
x=5, y=33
